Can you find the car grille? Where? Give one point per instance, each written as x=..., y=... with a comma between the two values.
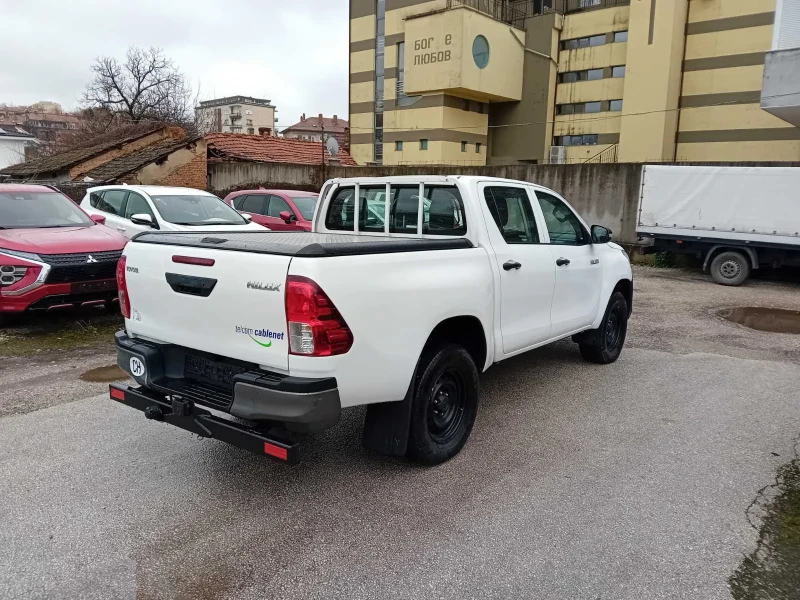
x=68, y=268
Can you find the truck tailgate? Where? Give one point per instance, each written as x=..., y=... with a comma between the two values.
x=233, y=307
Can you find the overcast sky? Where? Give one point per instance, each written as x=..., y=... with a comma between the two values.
x=293, y=52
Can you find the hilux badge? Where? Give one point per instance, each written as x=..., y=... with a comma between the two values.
x=265, y=287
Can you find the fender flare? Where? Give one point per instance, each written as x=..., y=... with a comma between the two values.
x=747, y=250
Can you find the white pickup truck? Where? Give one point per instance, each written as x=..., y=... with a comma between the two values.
x=396, y=301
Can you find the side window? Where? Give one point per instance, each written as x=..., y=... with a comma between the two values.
x=443, y=211
x=562, y=224
x=111, y=201
x=238, y=201
x=276, y=206
x=372, y=208
x=95, y=198
x=137, y=205
x=404, y=210
x=512, y=212
x=253, y=204
x=341, y=210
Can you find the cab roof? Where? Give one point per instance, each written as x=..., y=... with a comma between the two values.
x=157, y=190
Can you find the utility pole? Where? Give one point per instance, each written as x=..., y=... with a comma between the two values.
x=323, y=152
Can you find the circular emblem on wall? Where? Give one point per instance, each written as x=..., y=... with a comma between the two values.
x=480, y=51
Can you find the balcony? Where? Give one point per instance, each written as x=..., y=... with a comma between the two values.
x=780, y=92
x=499, y=10
x=465, y=52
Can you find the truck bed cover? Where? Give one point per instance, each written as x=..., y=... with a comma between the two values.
x=304, y=244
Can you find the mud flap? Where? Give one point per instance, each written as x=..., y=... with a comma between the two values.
x=387, y=423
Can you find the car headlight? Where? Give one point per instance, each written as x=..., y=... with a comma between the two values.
x=18, y=254
x=9, y=274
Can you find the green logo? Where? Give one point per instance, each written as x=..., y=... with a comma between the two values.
x=265, y=345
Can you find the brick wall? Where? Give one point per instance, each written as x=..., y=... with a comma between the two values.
x=193, y=174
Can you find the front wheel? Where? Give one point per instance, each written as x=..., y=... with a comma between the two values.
x=445, y=405
x=604, y=344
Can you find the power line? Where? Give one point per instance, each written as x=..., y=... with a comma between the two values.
x=600, y=118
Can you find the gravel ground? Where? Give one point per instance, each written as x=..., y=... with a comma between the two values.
x=579, y=481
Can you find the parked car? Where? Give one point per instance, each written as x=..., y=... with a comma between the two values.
x=132, y=209
x=399, y=314
x=281, y=210
x=52, y=254
x=734, y=219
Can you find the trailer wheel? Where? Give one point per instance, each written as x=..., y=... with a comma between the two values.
x=445, y=405
x=730, y=268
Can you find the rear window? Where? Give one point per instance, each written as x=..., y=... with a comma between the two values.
x=305, y=204
x=442, y=210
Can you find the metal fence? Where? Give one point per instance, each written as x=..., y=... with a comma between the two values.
x=514, y=12
x=500, y=10
x=609, y=155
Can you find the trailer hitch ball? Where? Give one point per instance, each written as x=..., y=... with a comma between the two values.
x=154, y=412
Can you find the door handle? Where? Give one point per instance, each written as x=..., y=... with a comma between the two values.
x=561, y=262
x=120, y=228
x=511, y=264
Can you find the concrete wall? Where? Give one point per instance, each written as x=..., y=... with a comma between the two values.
x=604, y=194
x=224, y=177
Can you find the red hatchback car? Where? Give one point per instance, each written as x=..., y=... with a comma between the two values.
x=52, y=254
x=281, y=210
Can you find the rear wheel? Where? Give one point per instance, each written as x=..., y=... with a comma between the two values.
x=730, y=268
x=445, y=405
x=604, y=344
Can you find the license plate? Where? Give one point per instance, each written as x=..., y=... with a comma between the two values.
x=105, y=285
x=210, y=371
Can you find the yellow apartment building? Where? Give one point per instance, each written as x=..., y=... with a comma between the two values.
x=475, y=82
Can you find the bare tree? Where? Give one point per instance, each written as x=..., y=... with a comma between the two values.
x=146, y=87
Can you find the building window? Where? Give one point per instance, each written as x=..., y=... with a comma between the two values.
x=580, y=108
x=621, y=36
x=583, y=42
x=423, y=144
x=577, y=140
x=463, y=146
x=398, y=146
x=618, y=71
x=477, y=147
x=586, y=75
x=380, y=44
x=480, y=51
x=250, y=130
x=615, y=105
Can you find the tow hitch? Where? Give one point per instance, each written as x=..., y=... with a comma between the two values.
x=182, y=412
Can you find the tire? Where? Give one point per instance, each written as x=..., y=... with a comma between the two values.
x=604, y=344
x=444, y=406
x=730, y=268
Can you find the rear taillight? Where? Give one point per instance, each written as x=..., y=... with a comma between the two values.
x=316, y=328
x=122, y=289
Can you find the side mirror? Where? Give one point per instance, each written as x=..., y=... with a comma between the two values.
x=247, y=217
x=600, y=234
x=99, y=219
x=143, y=219
x=287, y=216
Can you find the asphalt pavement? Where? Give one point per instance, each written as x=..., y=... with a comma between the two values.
x=579, y=481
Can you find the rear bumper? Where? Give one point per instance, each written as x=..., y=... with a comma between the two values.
x=241, y=389
x=51, y=296
x=184, y=414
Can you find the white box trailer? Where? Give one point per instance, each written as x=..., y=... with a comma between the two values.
x=733, y=218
